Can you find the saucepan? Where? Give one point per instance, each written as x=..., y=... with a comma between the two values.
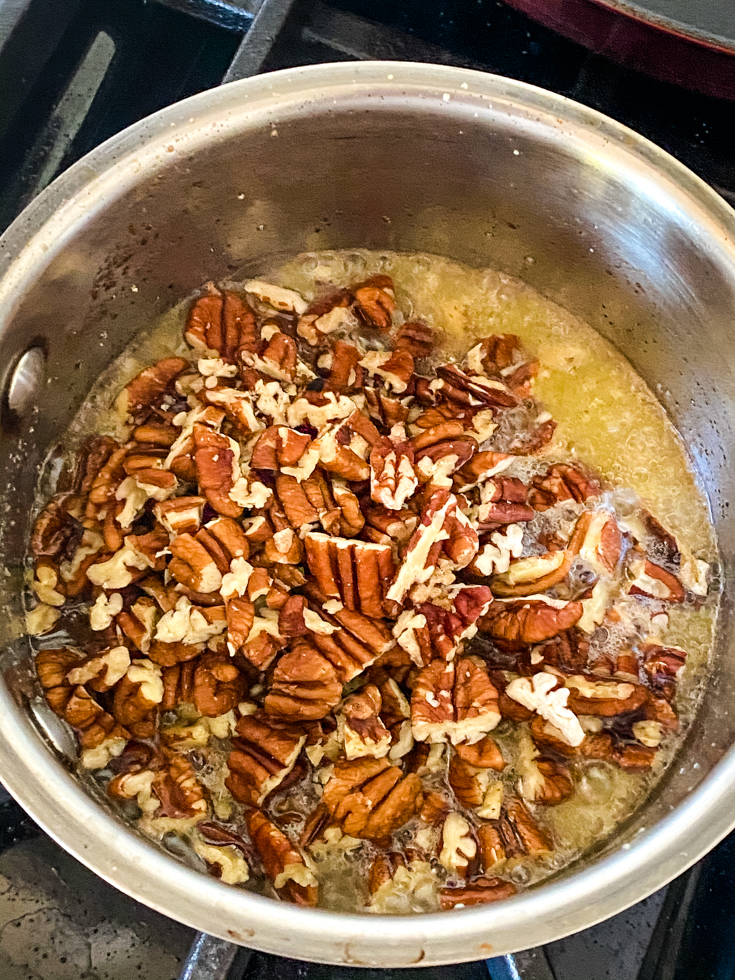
x=485, y=170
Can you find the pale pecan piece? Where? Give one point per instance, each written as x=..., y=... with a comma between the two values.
x=454, y=702
x=375, y=301
x=141, y=394
x=262, y=756
x=543, y=694
x=370, y=798
x=283, y=864
x=480, y=891
x=543, y=780
x=654, y=582
x=532, y=575
x=458, y=845
x=393, y=478
x=355, y=572
x=100, y=671
x=562, y=482
x=305, y=685
x=524, y=621
x=325, y=315
x=394, y=368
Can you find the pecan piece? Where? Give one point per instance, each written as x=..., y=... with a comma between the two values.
x=415, y=337
x=140, y=395
x=454, y=702
x=533, y=575
x=218, y=685
x=480, y=891
x=562, y=482
x=542, y=693
x=437, y=631
x=363, y=729
x=603, y=698
x=472, y=392
x=375, y=301
x=515, y=624
x=654, y=582
x=355, y=572
x=262, y=756
x=369, y=798
x=193, y=566
x=282, y=863
x=215, y=456
x=305, y=685
x=458, y=845
x=393, y=478
x=221, y=322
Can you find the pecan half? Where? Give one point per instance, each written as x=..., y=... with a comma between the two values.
x=479, y=892
x=262, y=756
x=370, y=798
x=282, y=863
x=393, y=478
x=355, y=572
x=454, y=702
x=514, y=624
x=375, y=301
x=562, y=482
x=305, y=685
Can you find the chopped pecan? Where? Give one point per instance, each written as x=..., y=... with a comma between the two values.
x=472, y=392
x=523, y=621
x=480, y=891
x=100, y=671
x=470, y=783
x=364, y=731
x=568, y=651
x=345, y=372
x=484, y=754
x=54, y=528
x=215, y=456
x=262, y=756
x=503, y=356
x=502, y=501
x=492, y=847
x=370, y=798
x=443, y=529
x=458, y=845
x=283, y=864
x=521, y=834
x=597, y=539
x=221, y=322
x=542, y=693
x=654, y=582
x=663, y=666
x=437, y=631
x=140, y=395
x=180, y=514
x=603, y=698
x=386, y=411
x=218, y=685
x=393, y=478
x=532, y=575
x=355, y=572
x=193, y=566
x=415, y=337
x=454, y=702
x=305, y=685
x=561, y=482
x=383, y=869
x=375, y=301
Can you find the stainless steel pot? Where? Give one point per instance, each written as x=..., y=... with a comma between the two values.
x=385, y=155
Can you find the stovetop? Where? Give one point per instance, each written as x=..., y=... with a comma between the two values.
x=73, y=74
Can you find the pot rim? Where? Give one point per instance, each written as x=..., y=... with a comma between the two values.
x=59, y=803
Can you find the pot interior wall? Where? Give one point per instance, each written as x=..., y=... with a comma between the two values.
x=486, y=186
